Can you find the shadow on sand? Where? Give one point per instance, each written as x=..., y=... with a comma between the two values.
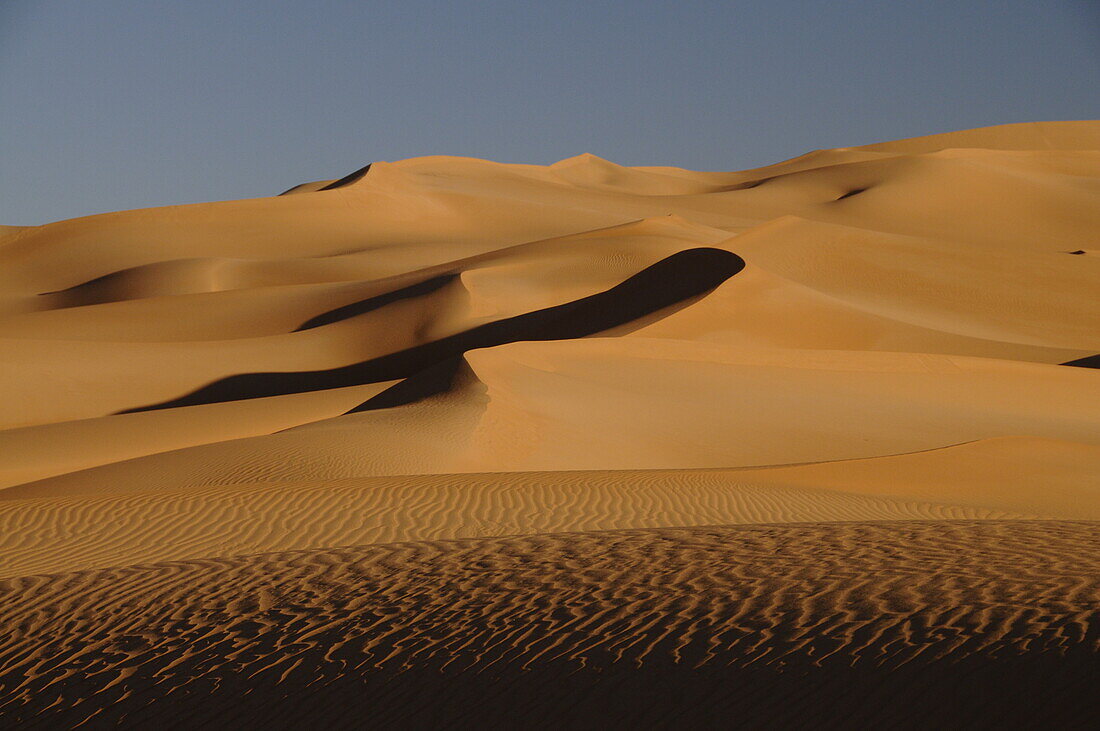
x=680, y=277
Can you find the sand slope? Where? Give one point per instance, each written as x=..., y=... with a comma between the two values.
x=203, y=402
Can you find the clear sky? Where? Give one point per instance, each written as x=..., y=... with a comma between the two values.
x=114, y=104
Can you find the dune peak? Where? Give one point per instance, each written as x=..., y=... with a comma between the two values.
x=579, y=431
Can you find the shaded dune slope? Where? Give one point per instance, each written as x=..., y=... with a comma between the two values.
x=348, y=179
x=448, y=442
x=1091, y=361
x=701, y=626
x=362, y=307
x=681, y=276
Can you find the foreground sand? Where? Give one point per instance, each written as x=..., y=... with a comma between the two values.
x=298, y=454
x=902, y=623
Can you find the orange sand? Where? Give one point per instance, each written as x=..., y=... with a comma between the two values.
x=854, y=348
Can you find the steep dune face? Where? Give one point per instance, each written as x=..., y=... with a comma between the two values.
x=445, y=348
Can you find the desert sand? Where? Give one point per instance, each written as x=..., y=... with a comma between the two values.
x=448, y=442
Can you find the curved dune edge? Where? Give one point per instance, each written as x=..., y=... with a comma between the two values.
x=448, y=442
x=684, y=275
x=634, y=403
x=898, y=612
x=47, y=450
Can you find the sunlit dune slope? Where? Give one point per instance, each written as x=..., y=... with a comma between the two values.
x=728, y=442
x=450, y=315
x=90, y=519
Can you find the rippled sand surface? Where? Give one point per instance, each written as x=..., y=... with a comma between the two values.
x=325, y=635
x=448, y=441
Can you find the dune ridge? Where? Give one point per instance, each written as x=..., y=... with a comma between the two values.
x=446, y=440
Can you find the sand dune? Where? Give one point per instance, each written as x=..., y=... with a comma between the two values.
x=630, y=403
x=234, y=434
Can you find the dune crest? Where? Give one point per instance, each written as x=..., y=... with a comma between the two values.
x=580, y=431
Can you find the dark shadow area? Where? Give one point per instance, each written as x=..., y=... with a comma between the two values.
x=347, y=179
x=1079, y=252
x=681, y=276
x=850, y=625
x=746, y=185
x=432, y=380
x=1031, y=692
x=373, y=303
x=1089, y=361
x=850, y=193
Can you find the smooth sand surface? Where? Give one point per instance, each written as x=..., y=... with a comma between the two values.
x=562, y=410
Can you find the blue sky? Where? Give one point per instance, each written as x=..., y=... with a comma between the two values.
x=118, y=104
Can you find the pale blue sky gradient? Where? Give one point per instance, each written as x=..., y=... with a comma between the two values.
x=114, y=104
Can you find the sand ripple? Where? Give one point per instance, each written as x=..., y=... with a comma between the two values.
x=69, y=534
x=174, y=642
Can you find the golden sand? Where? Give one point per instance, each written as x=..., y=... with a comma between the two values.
x=447, y=417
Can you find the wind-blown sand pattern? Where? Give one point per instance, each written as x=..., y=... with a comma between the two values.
x=175, y=643
x=817, y=438
x=38, y=536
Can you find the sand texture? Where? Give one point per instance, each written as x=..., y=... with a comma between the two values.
x=422, y=632
x=448, y=441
